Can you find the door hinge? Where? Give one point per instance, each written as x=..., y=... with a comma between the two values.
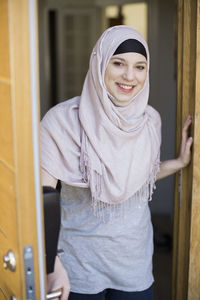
x=29, y=273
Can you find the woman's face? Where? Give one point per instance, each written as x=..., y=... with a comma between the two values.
x=125, y=76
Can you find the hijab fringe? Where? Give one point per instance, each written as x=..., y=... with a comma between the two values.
x=84, y=160
x=108, y=211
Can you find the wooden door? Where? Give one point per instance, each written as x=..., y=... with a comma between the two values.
x=186, y=258
x=21, y=229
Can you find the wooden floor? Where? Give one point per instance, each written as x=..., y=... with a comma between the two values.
x=162, y=261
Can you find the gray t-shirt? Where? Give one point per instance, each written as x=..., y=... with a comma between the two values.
x=105, y=254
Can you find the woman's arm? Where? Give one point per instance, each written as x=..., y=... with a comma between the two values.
x=59, y=278
x=169, y=167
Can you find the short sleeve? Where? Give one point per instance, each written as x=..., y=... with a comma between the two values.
x=60, y=143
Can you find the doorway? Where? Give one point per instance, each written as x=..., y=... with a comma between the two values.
x=70, y=28
x=162, y=39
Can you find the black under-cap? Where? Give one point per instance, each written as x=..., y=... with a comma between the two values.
x=131, y=45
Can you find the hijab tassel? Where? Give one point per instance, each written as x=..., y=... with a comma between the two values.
x=109, y=211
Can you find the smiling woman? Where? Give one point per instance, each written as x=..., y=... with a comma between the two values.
x=104, y=146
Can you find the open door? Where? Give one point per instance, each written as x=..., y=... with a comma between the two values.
x=22, y=267
x=186, y=258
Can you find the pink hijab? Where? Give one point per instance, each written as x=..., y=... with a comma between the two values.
x=113, y=150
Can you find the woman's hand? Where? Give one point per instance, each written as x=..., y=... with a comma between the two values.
x=59, y=279
x=186, y=143
x=170, y=167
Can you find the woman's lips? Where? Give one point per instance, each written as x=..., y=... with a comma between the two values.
x=125, y=87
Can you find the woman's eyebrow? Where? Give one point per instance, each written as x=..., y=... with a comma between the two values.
x=118, y=58
x=122, y=59
x=141, y=62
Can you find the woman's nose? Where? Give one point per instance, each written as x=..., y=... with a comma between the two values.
x=129, y=74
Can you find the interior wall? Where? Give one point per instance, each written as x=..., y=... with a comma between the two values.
x=76, y=20
x=162, y=44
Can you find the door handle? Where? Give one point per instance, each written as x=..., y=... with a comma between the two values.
x=9, y=261
x=54, y=294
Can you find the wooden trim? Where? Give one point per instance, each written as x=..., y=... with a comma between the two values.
x=194, y=264
x=187, y=191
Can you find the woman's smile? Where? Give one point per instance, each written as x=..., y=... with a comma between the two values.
x=125, y=76
x=125, y=88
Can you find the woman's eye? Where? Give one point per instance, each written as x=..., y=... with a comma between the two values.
x=117, y=63
x=140, y=68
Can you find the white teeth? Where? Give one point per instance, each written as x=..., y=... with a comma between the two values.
x=126, y=87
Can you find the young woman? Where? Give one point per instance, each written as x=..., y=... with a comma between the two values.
x=105, y=148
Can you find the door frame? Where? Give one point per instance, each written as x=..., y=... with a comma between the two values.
x=186, y=240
